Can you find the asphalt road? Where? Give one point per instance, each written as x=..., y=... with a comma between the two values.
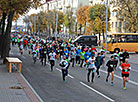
x=51, y=88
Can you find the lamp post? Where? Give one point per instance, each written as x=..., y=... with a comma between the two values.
x=106, y=25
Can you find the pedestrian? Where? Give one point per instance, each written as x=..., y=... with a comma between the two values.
x=91, y=68
x=98, y=63
x=93, y=50
x=73, y=53
x=43, y=57
x=125, y=69
x=78, y=56
x=82, y=53
x=64, y=67
x=87, y=56
x=116, y=57
x=121, y=56
x=111, y=66
x=52, y=56
x=125, y=55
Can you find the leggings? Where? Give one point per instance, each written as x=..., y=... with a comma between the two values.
x=88, y=75
x=77, y=59
x=52, y=62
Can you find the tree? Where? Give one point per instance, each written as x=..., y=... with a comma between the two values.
x=69, y=20
x=82, y=17
x=97, y=15
x=127, y=11
x=8, y=9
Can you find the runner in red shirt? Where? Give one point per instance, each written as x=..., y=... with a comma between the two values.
x=125, y=67
x=93, y=50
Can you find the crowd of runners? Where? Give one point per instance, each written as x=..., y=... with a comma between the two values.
x=69, y=55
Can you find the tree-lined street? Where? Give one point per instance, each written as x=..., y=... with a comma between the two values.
x=51, y=88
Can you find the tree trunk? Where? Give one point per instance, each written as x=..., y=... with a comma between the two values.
x=6, y=40
x=80, y=29
x=84, y=28
x=2, y=30
x=99, y=38
x=103, y=35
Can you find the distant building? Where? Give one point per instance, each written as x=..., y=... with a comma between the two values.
x=117, y=26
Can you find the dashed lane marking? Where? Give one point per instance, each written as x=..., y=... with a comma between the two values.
x=68, y=74
x=97, y=92
x=130, y=81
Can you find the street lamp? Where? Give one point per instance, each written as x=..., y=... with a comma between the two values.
x=106, y=25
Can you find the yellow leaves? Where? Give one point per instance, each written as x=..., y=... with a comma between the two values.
x=81, y=14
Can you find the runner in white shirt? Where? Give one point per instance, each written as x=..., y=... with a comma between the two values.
x=52, y=59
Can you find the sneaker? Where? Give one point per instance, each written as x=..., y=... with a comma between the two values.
x=112, y=83
x=76, y=64
x=98, y=76
x=64, y=80
x=107, y=80
x=124, y=88
x=51, y=70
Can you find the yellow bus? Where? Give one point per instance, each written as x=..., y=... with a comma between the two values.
x=123, y=41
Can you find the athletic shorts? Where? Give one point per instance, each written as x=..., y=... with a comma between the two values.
x=125, y=75
x=110, y=69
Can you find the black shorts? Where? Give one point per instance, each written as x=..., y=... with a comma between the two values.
x=110, y=69
x=125, y=75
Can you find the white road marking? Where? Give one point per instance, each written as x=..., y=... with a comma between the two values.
x=40, y=99
x=134, y=70
x=68, y=74
x=132, y=82
x=97, y=92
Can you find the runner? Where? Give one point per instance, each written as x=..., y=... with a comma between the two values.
x=125, y=68
x=116, y=57
x=82, y=53
x=43, y=57
x=52, y=56
x=111, y=66
x=73, y=53
x=91, y=68
x=99, y=62
x=125, y=55
x=93, y=50
x=78, y=56
x=121, y=56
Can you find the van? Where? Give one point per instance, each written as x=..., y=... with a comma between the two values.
x=88, y=40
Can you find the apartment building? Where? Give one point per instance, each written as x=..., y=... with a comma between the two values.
x=117, y=26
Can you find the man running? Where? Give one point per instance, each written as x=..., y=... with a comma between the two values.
x=91, y=68
x=111, y=66
x=125, y=68
x=52, y=56
x=64, y=67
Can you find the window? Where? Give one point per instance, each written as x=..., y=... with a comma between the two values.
x=112, y=24
x=112, y=14
x=120, y=24
x=126, y=38
x=116, y=24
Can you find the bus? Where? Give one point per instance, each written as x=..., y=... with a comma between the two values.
x=123, y=41
x=88, y=40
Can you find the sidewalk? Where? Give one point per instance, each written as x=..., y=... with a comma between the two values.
x=8, y=84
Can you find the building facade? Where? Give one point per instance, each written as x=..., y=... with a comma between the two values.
x=117, y=26
x=62, y=5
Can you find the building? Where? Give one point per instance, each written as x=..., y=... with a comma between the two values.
x=62, y=5
x=117, y=26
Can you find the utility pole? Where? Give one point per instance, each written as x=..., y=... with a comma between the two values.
x=106, y=25
x=34, y=27
x=56, y=25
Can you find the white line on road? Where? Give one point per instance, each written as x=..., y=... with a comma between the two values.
x=134, y=70
x=97, y=92
x=40, y=99
x=68, y=74
x=132, y=82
